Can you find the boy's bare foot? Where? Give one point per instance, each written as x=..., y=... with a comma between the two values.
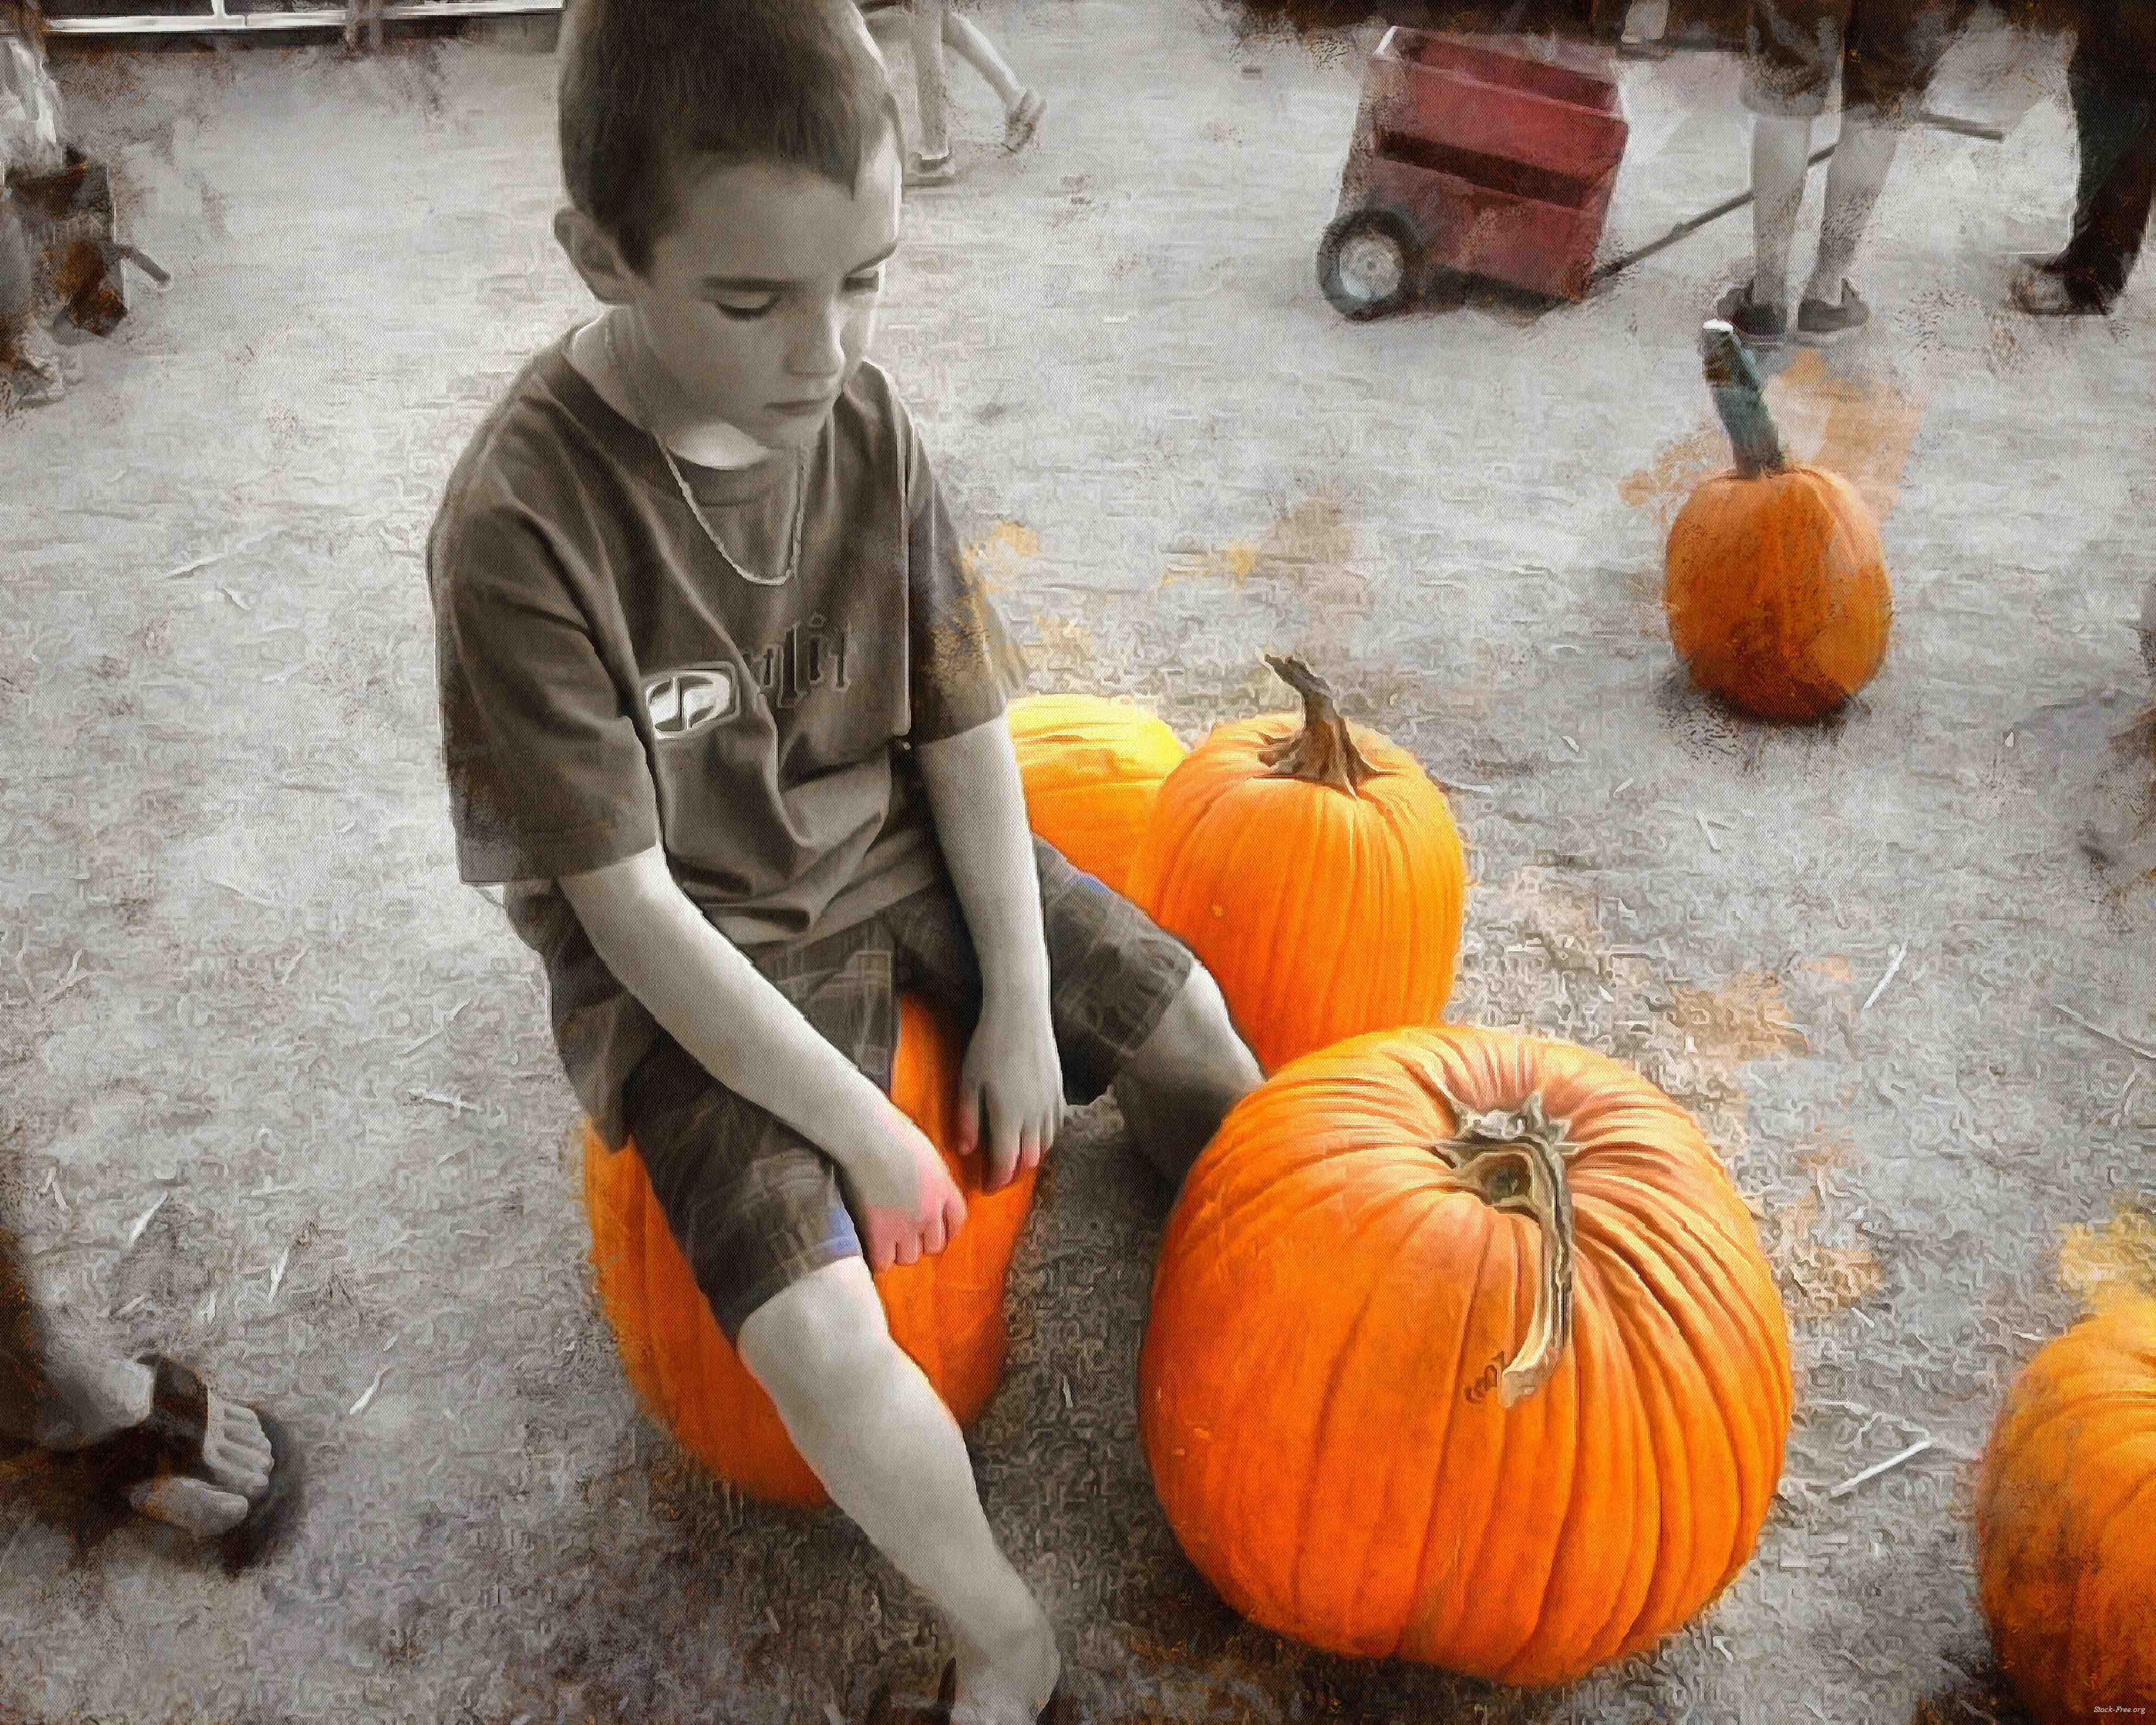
x=178, y=1452
x=236, y=1457
x=1011, y=1683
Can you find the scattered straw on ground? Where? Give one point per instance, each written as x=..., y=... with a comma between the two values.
x=1745, y=1020
x=1002, y=556
x=1830, y=1277
x=2105, y=1265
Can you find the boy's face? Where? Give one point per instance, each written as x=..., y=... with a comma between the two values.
x=760, y=300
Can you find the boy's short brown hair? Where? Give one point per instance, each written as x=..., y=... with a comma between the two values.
x=647, y=84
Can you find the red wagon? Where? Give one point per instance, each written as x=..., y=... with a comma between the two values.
x=1476, y=160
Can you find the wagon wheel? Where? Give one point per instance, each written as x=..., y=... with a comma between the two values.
x=1368, y=262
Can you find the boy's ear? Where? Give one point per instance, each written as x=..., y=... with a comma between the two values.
x=594, y=256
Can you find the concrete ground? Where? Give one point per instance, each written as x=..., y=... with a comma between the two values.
x=239, y=984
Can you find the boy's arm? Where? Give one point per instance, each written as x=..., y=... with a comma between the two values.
x=1013, y=1082
x=750, y=1037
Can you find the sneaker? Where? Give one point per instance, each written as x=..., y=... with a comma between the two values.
x=931, y=171
x=1756, y=325
x=1023, y=121
x=1821, y=323
x=2046, y=289
x=26, y=386
x=44, y=355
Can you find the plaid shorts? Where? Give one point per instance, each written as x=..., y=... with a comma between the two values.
x=755, y=1206
x=1887, y=51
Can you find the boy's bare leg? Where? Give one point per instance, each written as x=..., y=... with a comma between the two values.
x=1854, y=181
x=58, y=1394
x=930, y=85
x=979, y=53
x=879, y=1437
x=1780, y=148
x=1179, y=1086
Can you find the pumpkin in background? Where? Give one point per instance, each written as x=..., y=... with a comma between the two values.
x=1091, y=767
x=1315, y=871
x=2066, y=1522
x=1774, y=582
x=946, y=1312
x=1499, y=1385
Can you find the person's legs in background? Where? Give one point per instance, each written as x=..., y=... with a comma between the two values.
x=2115, y=126
x=1791, y=47
x=1780, y=147
x=931, y=165
x=1887, y=51
x=1892, y=49
x=1022, y=107
x=202, y=1468
x=929, y=26
x=29, y=376
x=1855, y=177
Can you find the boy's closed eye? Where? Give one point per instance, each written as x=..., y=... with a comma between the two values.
x=869, y=281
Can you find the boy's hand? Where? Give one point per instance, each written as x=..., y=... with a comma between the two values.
x=905, y=1202
x=1010, y=1091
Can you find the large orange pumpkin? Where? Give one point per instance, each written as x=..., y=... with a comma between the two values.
x=946, y=1312
x=1091, y=767
x=2066, y=1522
x=1499, y=1385
x=1315, y=871
x=1774, y=584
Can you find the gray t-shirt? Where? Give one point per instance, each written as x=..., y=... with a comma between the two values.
x=608, y=683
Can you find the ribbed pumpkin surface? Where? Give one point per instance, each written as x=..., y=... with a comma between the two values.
x=2066, y=1522
x=946, y=1312
x=1317, y=1388
x=1775, y=589
x=1320, y=914
x=1091, y=767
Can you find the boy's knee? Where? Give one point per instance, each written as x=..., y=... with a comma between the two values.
x=1193, y=1070
x=826, y=1328
x=1196, y=1045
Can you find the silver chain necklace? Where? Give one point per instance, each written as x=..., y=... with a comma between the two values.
x=689, y=497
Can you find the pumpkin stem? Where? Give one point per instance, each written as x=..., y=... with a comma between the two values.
x=1516, y=1161
x=1322, y=752
x=1735, y=383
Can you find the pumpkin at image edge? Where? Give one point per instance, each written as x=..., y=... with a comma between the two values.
x=2066, y=1523
x=1315, y=869
x=946, y=1310
x=1091, y=768
x=1503, y=1389
x=1774, y=584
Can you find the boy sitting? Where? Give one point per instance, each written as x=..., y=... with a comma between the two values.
x=723, y=710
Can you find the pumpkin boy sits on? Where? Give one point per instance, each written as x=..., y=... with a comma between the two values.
x=723, y=710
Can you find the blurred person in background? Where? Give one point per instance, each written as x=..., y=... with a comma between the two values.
x=31, y=371
x=2112, y=79
x=928, y=25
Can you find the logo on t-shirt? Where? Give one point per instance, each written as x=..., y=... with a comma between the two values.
x=807, y=656
x=681, y=702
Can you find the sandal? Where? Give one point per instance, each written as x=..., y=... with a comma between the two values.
x=1023, y=121
x=170, y=1441
x=883, y=1711
x=32, y=382
x=931, y=171
x=2050, y=288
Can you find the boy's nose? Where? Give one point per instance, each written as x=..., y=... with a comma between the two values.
x=819, y=349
